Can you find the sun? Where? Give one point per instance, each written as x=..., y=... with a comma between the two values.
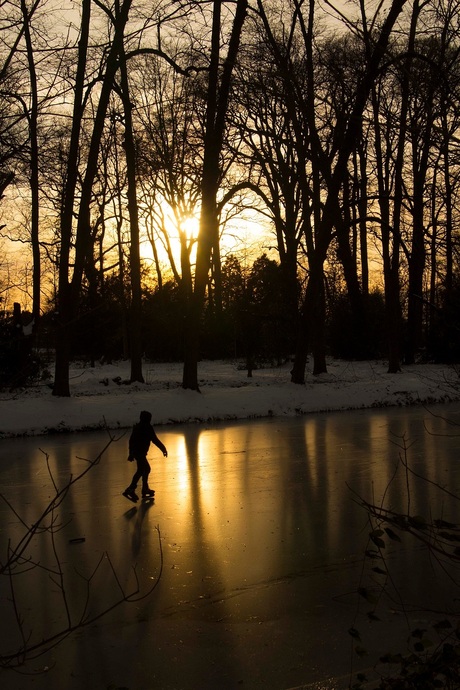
x=167, y=233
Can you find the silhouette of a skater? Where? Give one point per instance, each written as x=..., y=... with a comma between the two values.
x=139, y=442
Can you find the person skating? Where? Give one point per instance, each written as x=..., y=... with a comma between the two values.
x=141, y=437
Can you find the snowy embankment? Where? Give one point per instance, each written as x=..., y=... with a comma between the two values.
x=100, y=396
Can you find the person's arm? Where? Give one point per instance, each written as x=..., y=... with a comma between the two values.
x=156, y=441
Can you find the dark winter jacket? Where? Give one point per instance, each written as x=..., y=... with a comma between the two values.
x=142, y=435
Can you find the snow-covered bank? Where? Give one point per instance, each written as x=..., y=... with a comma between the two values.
x=101, y=397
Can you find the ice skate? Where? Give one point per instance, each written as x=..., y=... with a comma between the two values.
x=131, y=495
x=148, y=493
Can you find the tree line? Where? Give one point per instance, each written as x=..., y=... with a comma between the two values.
x=338, y=132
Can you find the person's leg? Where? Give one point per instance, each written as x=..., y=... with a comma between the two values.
x=130, y=492
x=145, y=477
x=136, y=476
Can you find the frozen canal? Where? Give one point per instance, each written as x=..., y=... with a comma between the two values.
x=263, y=549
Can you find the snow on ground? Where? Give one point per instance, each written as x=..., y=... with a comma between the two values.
x=102, y=397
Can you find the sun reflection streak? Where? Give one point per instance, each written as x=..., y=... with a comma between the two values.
x=179, y=454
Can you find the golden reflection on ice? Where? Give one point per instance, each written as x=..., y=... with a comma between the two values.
x=260, y=531
x=178, y=459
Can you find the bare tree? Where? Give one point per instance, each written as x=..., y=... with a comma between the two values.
x=329, y=168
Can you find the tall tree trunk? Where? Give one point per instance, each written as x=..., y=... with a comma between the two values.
x=208, y=218
x=398, y=173
x=310, y=331
x=34, y=184
x=362, y=220
x=135, y=260
x=121, y=259
x=208, y=236
x=69, y=305
x=420, y=164
x=64, y=315
x=448, y=280
x=390, y=249
x=416, y=271
x=347, y=257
